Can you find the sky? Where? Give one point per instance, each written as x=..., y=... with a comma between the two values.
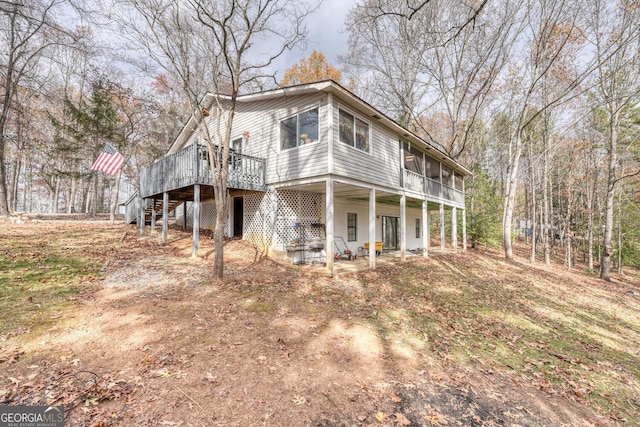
x=326, y=35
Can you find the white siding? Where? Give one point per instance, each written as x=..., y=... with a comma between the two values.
x=380, y=166
x=343, y=207
x=262, y=121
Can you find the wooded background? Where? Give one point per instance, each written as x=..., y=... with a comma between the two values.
x=539, y=98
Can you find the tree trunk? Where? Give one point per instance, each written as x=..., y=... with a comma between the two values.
x=4, y=205
x=605, y=264
x=114, y=199
x=89, y=196
x=95, y=200
x=546, y=208
x=56, y=196
x=71, y=201
x=619, y=233
x=532, y=209
x=591, y=205
x=510, y=198
x=15, y=180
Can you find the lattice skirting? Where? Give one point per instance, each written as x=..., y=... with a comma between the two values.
x=278, y=218
x=271, y=219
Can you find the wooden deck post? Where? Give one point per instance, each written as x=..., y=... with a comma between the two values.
x=141, y=215
x=442, y=232
x=403, y=228
x=372, y=228
x=329, y=225
x=165, y=216
x=184, y=215
x=196, y=220
x=154, y=213
x=425, y=229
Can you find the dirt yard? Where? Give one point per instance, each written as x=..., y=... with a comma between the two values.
x=148, y=338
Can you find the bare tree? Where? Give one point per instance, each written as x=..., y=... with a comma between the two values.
x=614, y=28
x=552, y=32
x=27, y=31
x=225, y=46
x=384, y=57
x=465, y=68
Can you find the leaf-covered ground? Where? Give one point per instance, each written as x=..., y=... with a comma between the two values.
x=123, y=331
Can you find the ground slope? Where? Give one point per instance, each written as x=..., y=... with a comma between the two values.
x=126, y=332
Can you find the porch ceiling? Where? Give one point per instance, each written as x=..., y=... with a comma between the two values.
x=354, y=192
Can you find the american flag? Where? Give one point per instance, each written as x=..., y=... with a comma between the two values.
x=109, y=160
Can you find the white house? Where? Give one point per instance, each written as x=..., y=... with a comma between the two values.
x=311, y=164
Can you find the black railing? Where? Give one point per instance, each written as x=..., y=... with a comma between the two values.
x=190, y=166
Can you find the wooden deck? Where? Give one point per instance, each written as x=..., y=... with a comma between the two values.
x=177, y=172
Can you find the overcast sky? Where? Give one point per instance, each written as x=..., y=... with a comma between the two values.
x=326, y=35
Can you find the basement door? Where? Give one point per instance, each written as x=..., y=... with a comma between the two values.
x=391, y=233
x=238, y=216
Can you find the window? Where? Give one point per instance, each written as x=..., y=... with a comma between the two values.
x=417, y=228
x=352, y=227
x=235, y=160
x=299, y=130
x=447, y=175
x=413, y=159
x=433, y=169
x=458, y=182
x=353, y=131
x=236, y=145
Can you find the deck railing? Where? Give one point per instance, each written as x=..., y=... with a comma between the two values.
x=434, y=189
x=190, y=166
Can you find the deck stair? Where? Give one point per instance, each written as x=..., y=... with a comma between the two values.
x=173, y=204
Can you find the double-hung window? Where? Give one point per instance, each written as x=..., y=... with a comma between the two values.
x=354, y=131
x=299, y=130
x=352, y=227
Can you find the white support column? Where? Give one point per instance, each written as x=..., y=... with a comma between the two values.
x=372, y=228
x=196, y=220
x=454, y=228
x=464, y=230
x=403, y=228
x=330, y=132
x=165, y=216
x=329, y=225
x=425, y=229
x=442, y=232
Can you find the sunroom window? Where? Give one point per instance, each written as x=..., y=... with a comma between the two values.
x=353, y=131
x=413, y=159
x=433, y=169
x=299, y=130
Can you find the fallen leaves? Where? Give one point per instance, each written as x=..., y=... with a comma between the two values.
x=61, y=385
x=401, y=420
x=299, y=400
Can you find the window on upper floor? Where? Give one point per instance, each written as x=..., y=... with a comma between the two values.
x=447, y=176
x=354, y=131
x=299, y=130
x=458, y=181
x=413, y=159
x=236, y=145
x=433, y=169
